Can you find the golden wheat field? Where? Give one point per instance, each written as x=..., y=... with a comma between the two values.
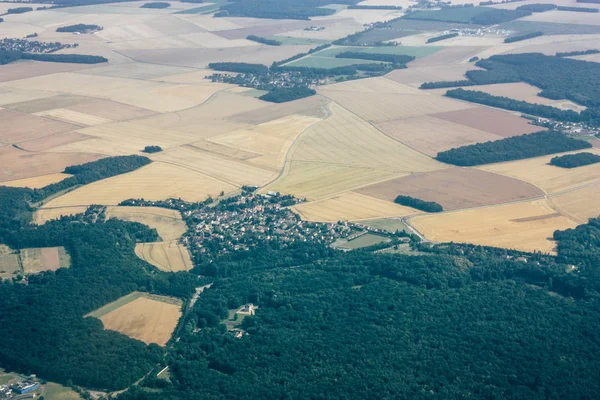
x=157, y=181
x=166, y=256
x=168, y=223
x=547, y=177
x=350, y=206
x=36, y=182
x=43, y=215
x=73, y=117
x=580, y=204
x=527, y=226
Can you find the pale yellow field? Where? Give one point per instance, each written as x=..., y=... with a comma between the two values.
x=317, y=180
x=350, y=206
x=157, y=181
x=387, y=106
x=166, y=256
x=146, y=319
x=223, y=169
x=549, y=178
x=42, y=215
x=372, y=85
x=36, y=182
x=271, y=140
x=567, y=17
x=168, y=223
x=525, y=226
x=74, y=117
x=345, y=139
x=580, y=204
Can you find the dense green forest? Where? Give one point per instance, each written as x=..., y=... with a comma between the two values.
x=279, y=9
x=287, y=94
x=8, y=56
x=578, y=9
x=79, y=28
x=512, y=148
x=442, y=37
x=537, y=8
x=428, y=206
x=239, y=67
x=446, y=84
x=575, y=160
x=472, y=15
x=268, y=42
x=158, y=4
x=152, y=149
x=525, y=36
x=392, y=58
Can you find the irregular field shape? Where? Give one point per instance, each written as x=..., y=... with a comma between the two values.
x=431, y=135
x=223, y=169
x=110, y=110
x=17, y=127
x=13, y=95
x=157, y=181
x=26, y=69
x=455, y=188
x=525, y=226
x=168, y=223
x=485, y=119
x=580, y=204
x=16, y=164
x=36, y=182
x=449, y=55
x=313, y=106
x=547, y=177
x=73, y=117
x=40, y=259
x=345, y=139
x=221, y=150
x=47, y=103
x=166, y=256
x=43, y=215
x=314, y=61
x=372, y=85
x=567, y=17
x=350, y=206
x=417, y=76
x=145, y=319
x=387, y=106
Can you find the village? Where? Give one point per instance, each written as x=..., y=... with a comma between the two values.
x=32, y=46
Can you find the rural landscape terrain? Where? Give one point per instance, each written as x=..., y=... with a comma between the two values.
x=300, y=199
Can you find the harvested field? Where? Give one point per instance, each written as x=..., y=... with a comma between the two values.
x=221, y=150
x=168, y=223
x=47, y=103
x=313, y=106
x=386, y=224
x=595, y=143
x=43, y=215
x=566, y=17
x=157, y=181
x=455, y=188
x=27, y=69
x=524, y=92
x=270, y=140
x=166, y=256
x=525, y=226
x=228, y=171
x=16, y=164
x=9, y=262
x=73, y=117
x=485, y=119
x=36, y=182
x=17, y=127
x=431, y=135
x=449, y=55
x=580, y=204
x=345, y=139
x=372, y=85
x=145, y=317
x=416, y=76
x=350, y=206
x=547, y=177
x=388, y=106
x=314, y=61
x=360, y=242
x=111, y=110
x=137, y=70
x=12, y=95
x=317, y=180
x=40, y=259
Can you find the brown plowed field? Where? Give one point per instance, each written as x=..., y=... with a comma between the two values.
x=493, y=121
x=17, y=127
x=313, y=106
x=29, y=69
x=52, y=141
x=111, y=110
x=455, y=188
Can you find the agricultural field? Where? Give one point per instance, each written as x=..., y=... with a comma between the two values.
x=455, y=188
x=43, y=215
x=550, y=179
x=142, y=316
x=579, y=204
x=10, y=265
x=350, y=206
x=36, y=182
x=365, y=240
x=168, y=223
x=73, y=117
x=21, y=127
x=166, y=256
x=526, y=226
x=386, y=224
x=40, y=259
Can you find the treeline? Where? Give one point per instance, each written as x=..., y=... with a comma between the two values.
x=158, y=5
x=79, y=28
x=442, y=37
x=589, y=1
x=515, y=105
x=446, y=84
x=300, y=55
x=360, y=7
x=428, y=206
x=578, y=9
x=525, y=36
x=8, y=56
x=462, y=14
x=537, y=8
x=577, y=53
x=575, y=160
x=392, y=58
x=239, y=67
x=91, y=172
x=18, y=10
x=512, y=148
x=277, y=9
x=287, y=94
x=268, y=42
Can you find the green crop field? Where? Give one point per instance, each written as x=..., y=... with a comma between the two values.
x=366, y=240
x=386, y=224
x=461, y=15
x=326, y=62
x=551, y=28
x=415, y=51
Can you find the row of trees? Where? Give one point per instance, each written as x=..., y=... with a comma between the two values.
x=578, y=9
x=525, y=36
x=442, y=37
x=268, y=42
x=512, y=148
x=537, y=7
x=399, y=59
x=428, y=206
x=575, y=160
x=283, y=95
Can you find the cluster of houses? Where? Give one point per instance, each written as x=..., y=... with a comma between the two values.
x=32, y=46
x=27, y=386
